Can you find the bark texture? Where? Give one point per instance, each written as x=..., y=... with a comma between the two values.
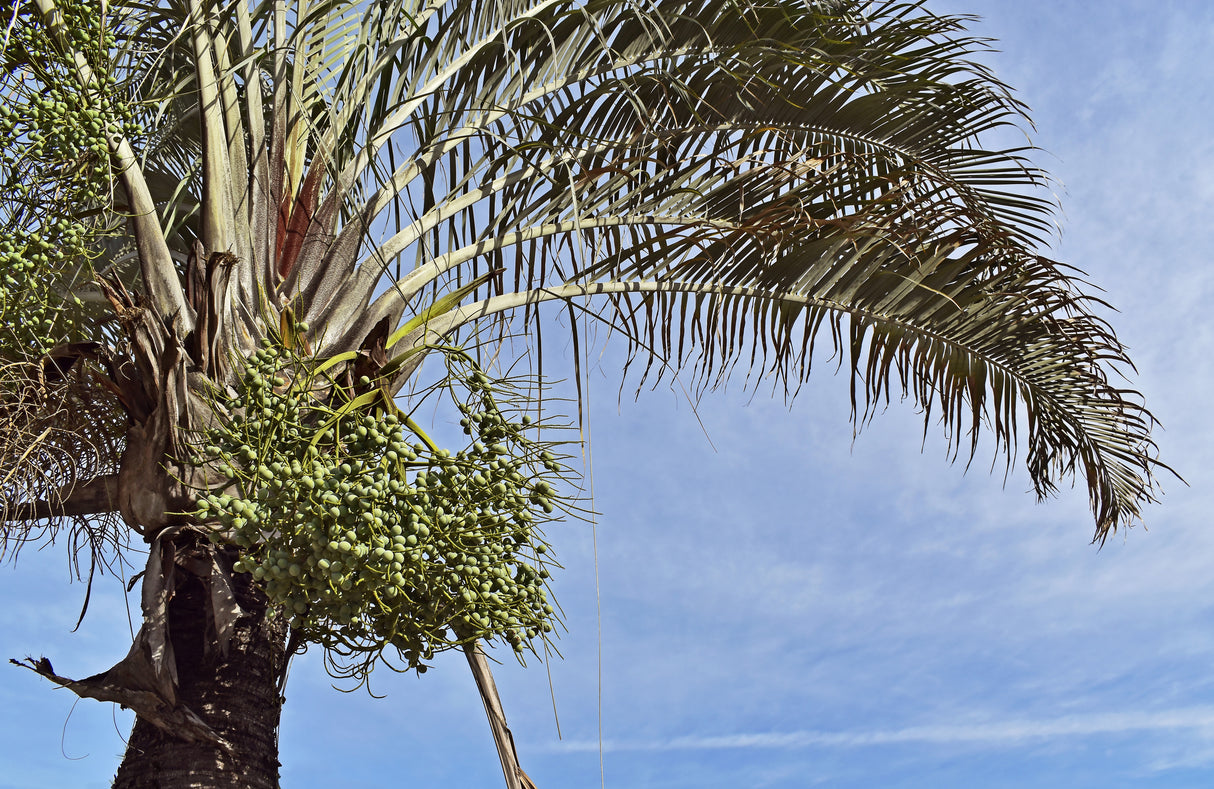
x=236, y=694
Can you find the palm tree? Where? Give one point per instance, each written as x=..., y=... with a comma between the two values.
x=302, y=201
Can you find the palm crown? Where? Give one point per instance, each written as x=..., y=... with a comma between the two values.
x=730, y=181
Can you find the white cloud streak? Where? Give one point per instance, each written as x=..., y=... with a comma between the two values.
x=1198, y=720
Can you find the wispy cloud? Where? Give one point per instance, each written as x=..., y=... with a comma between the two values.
x=1199, y=720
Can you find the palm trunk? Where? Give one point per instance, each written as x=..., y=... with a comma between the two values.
x=236, y=695
x=212, y=718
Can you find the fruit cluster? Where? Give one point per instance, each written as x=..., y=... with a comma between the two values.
x=55, y=166
x=366, y=534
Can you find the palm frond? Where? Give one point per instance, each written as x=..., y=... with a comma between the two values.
x=735, y=183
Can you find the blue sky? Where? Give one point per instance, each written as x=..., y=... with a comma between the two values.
x=795, y=608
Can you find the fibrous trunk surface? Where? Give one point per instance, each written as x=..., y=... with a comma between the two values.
x=236, y=694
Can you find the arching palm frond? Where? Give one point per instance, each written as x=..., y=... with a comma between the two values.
x=730, y=181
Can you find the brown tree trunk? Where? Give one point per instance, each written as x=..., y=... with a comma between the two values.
x=211, y=717
x=236, y=694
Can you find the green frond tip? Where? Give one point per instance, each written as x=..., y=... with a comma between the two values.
x=990, y=339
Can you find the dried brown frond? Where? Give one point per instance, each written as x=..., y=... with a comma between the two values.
x=61, y=432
